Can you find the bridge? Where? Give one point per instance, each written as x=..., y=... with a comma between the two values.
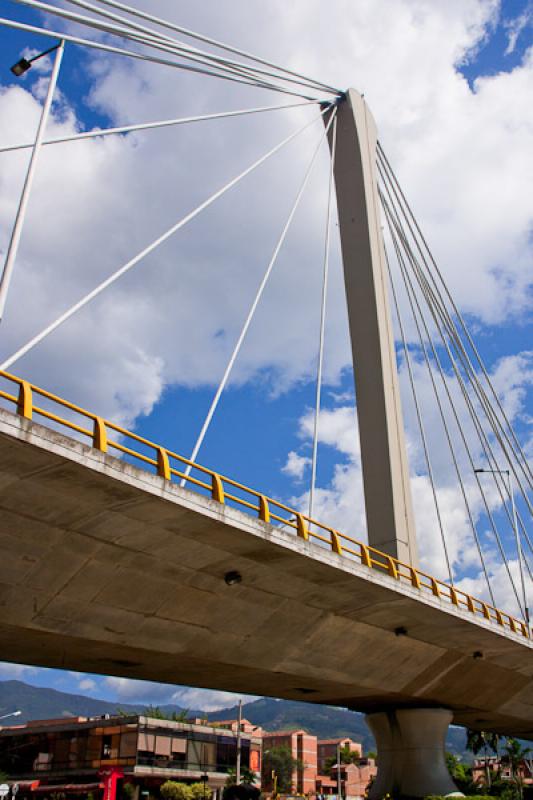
x=127, y=558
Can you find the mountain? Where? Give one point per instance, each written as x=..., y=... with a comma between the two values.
x=39, y=703
x=326, y=722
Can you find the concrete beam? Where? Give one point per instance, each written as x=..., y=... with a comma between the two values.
x=389, y=513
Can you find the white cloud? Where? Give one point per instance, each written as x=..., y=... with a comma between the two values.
x=296, y=465
x=516, y=26
x=175, y=318
x=145, y=692
x=87, y=685
x=14, y=671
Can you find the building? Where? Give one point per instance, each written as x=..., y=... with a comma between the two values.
x=102, y=756
x=501, y=766
x=303, y=748
x=327, y=749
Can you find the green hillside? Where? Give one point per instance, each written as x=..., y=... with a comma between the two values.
x=326, y=722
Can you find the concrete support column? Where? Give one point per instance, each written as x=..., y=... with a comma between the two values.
x=411, y=755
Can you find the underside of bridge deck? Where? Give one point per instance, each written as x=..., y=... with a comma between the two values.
x=109, y=569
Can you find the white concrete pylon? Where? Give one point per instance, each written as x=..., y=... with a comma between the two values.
x=389, y=514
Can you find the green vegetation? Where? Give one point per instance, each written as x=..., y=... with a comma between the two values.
x=279, y=761
x=247, y=776
x=172, y=790
x=347, y=756
x=174, y=716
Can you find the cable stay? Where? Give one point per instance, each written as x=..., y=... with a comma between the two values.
x=436, y=306
x=152, y=246
x=417, y=271
x=419, y=319
x=420, y=422
x=208, y=40
x=460, y=427
x=217, y=66
x=323, y=304
x=142, y=126
x=257, y=298
x=423, y=248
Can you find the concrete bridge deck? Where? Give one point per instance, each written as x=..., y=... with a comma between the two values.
x=109, y=569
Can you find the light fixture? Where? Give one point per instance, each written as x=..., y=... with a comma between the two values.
x=24, y=64
x=233, y=577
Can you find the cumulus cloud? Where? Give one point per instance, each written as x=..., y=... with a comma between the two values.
x=340, y=500
x=134, y=691
x=296, y=465
x=174, y=319
x=10, y=671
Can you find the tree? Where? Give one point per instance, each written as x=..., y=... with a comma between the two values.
x=347, y=756
x=481, y=740
x=247, y=776
x=461, y=773
x=175, y=716
x=516, y=754
x=279, y=760
x=172, y=790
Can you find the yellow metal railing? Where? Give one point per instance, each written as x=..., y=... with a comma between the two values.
x=225, y=490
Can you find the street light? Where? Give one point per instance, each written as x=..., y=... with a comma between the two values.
x=11, y=714
x=515, y=528
x=24, y=64
x=18, y=69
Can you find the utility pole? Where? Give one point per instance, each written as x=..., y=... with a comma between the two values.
x=239, y=726
x=339, y=785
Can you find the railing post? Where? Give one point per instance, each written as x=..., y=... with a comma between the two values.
x=366, y=561
x=435, y=587
x=415, y=580
x=392, y=568
x=217, y=490
x=301, y=528
x=100, y=435
x=336, y=542
x=25, y=401
x=453, y=596
x=264, y=510
x=163, y=466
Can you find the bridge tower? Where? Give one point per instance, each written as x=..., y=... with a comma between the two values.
x=410, y=741
x=389, y=513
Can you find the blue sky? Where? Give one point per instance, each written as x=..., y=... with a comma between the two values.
x=479, y=68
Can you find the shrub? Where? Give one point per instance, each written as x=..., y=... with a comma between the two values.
x=172, y=790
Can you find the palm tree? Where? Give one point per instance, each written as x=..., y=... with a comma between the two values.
x=483, y=740
x=516, y=754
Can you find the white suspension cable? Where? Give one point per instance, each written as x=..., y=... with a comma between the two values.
x=413, y=302
x=150, y=39
x=140, y=56
x=323, y=305
x=409, y=216
x=254, y=305
x=209, y=40
x=413, y=298
x=16, y=233
x=420, y=422
x=149, y=125
x=439, y=305
x=183, y=48
x=151, y=247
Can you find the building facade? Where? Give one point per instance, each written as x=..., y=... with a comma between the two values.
x=100, y=756
x=303, y=748
x=327, y=749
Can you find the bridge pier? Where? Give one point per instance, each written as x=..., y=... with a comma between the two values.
x=411, y=755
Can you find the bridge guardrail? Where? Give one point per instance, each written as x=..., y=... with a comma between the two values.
x=225, y=490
